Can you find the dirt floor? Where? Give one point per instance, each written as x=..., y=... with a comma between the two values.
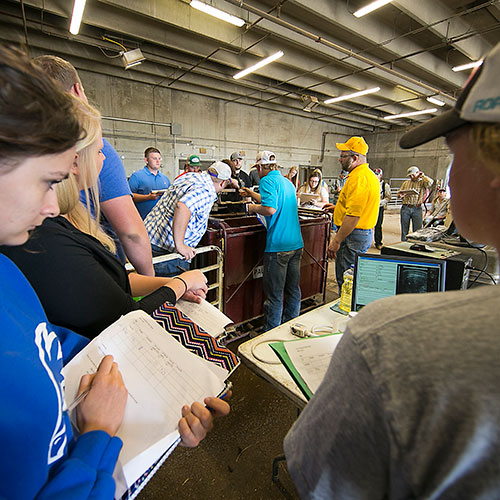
x=235, y=461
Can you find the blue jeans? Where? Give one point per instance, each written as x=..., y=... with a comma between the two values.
x=359, y=241
x=281, y=277
x=410, y=213
x=168, y=268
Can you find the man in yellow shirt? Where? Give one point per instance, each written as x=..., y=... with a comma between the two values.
x=356, y=210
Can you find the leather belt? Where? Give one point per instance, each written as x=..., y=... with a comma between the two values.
x=413, y=206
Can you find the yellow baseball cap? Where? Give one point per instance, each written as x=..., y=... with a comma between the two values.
x=356, y=144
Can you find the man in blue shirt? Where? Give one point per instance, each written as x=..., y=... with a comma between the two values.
x=146, y=184
x=278, y=203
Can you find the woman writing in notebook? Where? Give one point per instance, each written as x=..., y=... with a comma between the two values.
x=41, y=458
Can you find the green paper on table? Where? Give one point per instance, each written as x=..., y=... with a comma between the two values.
x=307, y=360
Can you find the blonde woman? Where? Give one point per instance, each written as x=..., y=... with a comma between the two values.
x=316, y=186
x=293, y=176
x=70, y=260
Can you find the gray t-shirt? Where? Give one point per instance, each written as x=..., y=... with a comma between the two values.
x=410, y=405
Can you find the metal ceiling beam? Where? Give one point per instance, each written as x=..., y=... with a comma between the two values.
x=372, y=32
x=425, y=12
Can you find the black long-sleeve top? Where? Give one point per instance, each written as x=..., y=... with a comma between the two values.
x=81, y=285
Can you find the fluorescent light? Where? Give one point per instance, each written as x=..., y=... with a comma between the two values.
x=76, y=17
x=260, y=64
x=371, y=7
x=413, y=113
x=471, y=65
x=219, y=14
x=435, y=101
x=352, y=96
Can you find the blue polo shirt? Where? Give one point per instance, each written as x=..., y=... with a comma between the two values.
x=143, y=182
x=283, y=228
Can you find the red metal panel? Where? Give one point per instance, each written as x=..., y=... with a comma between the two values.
x=243, y=240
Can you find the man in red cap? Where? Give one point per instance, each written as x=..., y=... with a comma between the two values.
x=356, y=210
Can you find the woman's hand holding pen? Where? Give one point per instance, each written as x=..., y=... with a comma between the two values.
x=104, y=405
x=198, y=419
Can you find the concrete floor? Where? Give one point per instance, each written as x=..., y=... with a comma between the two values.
x=235, y=461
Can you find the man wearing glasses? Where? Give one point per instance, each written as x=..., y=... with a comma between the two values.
x=180, y=218
x=356, y=210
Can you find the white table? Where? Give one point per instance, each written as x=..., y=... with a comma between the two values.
x=277, y=374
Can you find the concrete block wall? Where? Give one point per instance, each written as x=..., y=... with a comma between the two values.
x=211, y=128
x=432, y=158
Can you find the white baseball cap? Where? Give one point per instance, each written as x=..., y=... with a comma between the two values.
x=223, y=170
x=268, y=157
x=413, y=170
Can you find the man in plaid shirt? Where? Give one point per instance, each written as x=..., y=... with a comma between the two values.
x=179, y=219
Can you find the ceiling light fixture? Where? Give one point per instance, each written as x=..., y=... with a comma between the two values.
x=76, y=17
x=371, y=7
x=413, y=113
x=132, y=58
x=352, y=96
x=310, y=102
x=471, y=65
x=259, y=65
x=435, y=101
x=219, y=14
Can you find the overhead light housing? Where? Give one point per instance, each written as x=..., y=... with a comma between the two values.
x=132, y=58
x=471, y=65
x=435, y=101
x=371, y=7
x=413, y=113
x=219, y=14
x=76, y=17
x=352, y=96
x=310, y=102
x=259, y=65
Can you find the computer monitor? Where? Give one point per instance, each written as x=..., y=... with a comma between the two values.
x=379, y=276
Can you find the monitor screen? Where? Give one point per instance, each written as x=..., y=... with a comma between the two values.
x=379, y=276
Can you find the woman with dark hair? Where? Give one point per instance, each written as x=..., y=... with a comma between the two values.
x=40, y=131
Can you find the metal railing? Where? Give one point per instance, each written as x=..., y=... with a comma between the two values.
x=218, y=285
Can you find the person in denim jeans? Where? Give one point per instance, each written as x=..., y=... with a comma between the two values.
x=356, y=211
x=277, y=202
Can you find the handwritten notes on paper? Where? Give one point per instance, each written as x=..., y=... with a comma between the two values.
x=205, y=315
x=160, y=375
x=311, y=357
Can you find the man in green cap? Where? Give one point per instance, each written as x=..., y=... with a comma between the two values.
x=193, y=164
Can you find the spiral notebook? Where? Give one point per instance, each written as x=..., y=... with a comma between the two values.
x=161, y=375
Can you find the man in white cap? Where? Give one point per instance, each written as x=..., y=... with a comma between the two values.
x=254, y=171
x=410, y=405
x=278, y=203
x=412, y=193
x=180, y=218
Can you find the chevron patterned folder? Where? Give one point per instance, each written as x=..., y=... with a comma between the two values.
x=194, y=338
